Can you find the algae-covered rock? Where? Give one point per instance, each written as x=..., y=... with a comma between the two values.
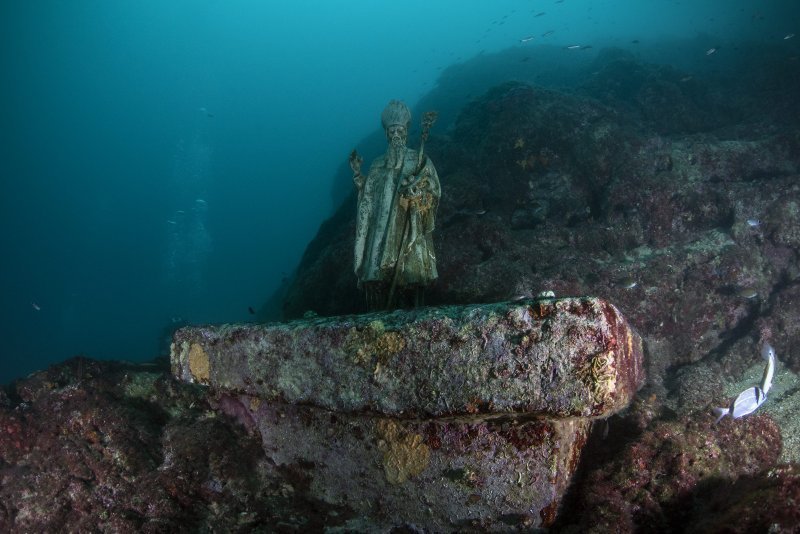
x=676, y=474
x=451, y=418
x=442, y=475
x=573, y=357
x=89, y=446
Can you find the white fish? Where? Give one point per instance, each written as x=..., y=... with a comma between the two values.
x=526, y=39
x=768, y=353
x=753, y=223
x=744, y=404
x=572, y=47
x=750, y=399
x=711, y=51
x=201, y=201
x=36, y=306
x=788, y=36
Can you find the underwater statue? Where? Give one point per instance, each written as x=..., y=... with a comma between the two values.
x=397, y=201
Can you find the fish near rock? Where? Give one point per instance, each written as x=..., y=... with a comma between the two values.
x=750, y=399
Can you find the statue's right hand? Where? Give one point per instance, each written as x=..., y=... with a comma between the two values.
x=355, y=161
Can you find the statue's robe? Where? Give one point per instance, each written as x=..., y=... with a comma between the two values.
x=390, y=228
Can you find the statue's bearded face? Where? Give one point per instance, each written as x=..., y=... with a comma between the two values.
x=397, y=135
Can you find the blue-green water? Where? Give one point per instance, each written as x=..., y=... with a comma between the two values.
x=169, y=161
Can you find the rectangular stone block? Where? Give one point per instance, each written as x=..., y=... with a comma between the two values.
x=573, y=357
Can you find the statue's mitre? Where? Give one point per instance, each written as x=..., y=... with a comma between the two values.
x=395, y=113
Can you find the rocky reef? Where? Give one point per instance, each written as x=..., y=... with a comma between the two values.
x=446, y=418
x=687, y=225
x=90, y=446
x=672, y=195
x=655, y=189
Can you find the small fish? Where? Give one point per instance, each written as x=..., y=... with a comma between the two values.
x=753, y=223
x=549, y=32
x=750, y=399
x=251, y=310
x=748, y=293
x=744, y=404
x=526, y=39
x=170, y=221
x=572, y=47
x=540, y=14
x=788, y=36
x=768, y=353
x=711, y=51
x=635, y=41
x=201, y=202
x=467, y=213
x=36, y=306
x=686, y=79
x=586, y=47
x=205, y=112
x=627, y=283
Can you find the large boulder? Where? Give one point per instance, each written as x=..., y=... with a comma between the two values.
x=444, y=418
